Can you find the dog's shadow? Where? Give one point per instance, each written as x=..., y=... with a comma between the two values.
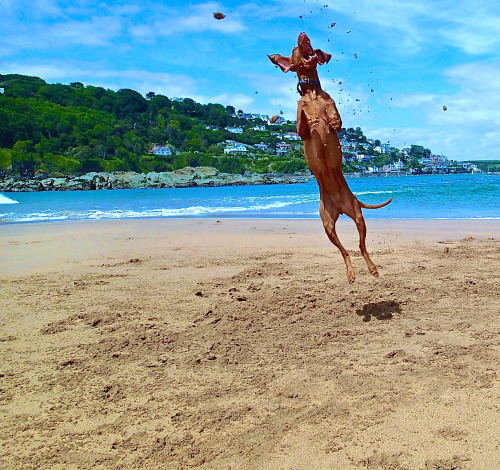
x=383, y=310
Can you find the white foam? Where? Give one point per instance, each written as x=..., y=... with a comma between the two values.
x=181, y=212
x=39, y=217
x=362, y=193
x=7, y=200
x=191, y=211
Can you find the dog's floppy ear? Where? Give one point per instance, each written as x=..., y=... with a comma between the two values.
x=323, y=57
x=282, y=62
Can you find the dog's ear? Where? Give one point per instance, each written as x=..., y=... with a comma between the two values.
x=282, y=62
x=323, y=57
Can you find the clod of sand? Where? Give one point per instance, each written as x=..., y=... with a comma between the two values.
x=219, y=16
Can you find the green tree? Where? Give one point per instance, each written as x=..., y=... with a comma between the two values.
x=129, y=104
x=5, y=161
x=417, y=151
x=21, y=86
x=24, y=158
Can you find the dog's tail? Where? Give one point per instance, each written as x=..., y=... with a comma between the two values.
x=374, y=206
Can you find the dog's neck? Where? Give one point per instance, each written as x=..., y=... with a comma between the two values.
x=307, y=72
x=307, y=85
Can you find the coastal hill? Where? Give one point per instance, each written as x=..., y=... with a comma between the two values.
x=60, y=130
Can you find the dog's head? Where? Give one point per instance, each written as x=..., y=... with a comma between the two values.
x=302, y=55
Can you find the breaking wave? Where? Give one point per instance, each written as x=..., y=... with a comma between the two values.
x=7, y=200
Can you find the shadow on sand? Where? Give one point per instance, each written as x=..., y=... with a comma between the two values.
x=383, y=310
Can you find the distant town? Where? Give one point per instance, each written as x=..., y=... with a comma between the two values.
x=359, y=154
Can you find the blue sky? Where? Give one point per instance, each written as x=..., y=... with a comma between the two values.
x=416, y=55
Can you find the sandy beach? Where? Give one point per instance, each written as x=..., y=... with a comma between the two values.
x=238, y=344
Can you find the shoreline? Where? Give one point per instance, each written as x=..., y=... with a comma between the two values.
x=312, y=218
x=72, y=241
x=185, y=178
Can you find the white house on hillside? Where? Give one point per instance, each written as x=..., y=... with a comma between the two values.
x=261, y=146
x=264, y=117
x=160, y=150
x=386, y=148
x=235, y=130
x=282, y=148
x=393, y=167
x=292, y=136
x=236, y=149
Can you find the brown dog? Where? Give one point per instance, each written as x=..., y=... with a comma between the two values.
x=318, y=122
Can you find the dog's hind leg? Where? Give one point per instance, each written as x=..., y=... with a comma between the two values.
x=329, y=215
x=355, y=214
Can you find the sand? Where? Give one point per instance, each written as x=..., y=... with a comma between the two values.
x=239, y=344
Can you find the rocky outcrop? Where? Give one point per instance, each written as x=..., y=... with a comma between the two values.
x=186, y=177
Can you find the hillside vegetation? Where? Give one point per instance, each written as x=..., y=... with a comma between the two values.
x=55, y=129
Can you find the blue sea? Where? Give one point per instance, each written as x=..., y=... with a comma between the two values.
x=471, y=196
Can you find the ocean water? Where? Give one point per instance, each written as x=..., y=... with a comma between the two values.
x=414, y=197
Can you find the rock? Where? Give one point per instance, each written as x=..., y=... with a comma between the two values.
x=183, y=178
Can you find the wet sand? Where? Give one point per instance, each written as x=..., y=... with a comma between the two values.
x=239, y=344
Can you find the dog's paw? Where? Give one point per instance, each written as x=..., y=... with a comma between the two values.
x=374, y=271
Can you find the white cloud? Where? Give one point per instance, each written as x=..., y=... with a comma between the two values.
x=237, y=100
x=127, y=9
x=476, y=75
x=45, y=8
x=455, y=144
x=474, y=30
x=114, y=79
x=475, y=106
x=414, y=100
x=199, y=19
x=471, y=27
x=468, y=128
x=95, y=32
